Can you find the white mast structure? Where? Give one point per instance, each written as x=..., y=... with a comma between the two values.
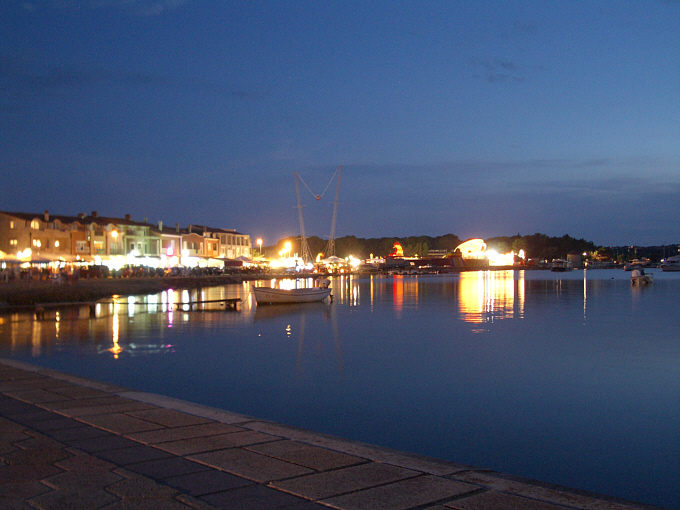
x=330, y=247
x=305, y=253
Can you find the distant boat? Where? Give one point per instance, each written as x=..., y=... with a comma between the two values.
x=671, y=264
x=560, y=266
x=639, y=277
x=269, y=295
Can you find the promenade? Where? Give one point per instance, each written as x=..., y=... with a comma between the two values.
x=72, y=443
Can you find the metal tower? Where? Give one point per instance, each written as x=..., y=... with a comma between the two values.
x=304, y=247
x=330, y=247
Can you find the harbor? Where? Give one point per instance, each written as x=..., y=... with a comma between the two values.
x=487, y=386
x=71, y=441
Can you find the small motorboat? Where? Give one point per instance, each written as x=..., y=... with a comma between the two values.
x=639, y=277
x=269, y=295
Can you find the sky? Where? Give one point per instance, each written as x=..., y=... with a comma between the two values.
x=479, y=119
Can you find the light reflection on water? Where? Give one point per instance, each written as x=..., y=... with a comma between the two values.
x=568, y=378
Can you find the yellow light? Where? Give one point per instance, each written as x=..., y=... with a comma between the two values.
x=114, y=234
x=56, y=244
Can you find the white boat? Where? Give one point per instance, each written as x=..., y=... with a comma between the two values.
x=671, y=264
x=267, y=295
x=560, y=266
x=639, y=277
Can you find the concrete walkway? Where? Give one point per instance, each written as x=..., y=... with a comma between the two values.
x=68, y=442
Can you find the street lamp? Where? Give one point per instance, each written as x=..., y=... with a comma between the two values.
x=259, y=247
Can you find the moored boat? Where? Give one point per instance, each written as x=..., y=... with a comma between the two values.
x=671, y=264
x=639, y=277
x=269, y=295
x=560, y=266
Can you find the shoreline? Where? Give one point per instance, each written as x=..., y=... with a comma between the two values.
x=24, y=294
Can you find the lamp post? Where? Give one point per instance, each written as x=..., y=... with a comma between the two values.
x=259, y=247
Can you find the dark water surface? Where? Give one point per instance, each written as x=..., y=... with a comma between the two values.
x=569, y=378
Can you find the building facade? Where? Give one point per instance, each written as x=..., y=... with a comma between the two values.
x=114, y=242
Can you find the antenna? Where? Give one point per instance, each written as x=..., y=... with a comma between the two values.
x=330, y=247
x=304, y=247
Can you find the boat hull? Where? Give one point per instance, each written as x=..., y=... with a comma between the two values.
x=267, y=295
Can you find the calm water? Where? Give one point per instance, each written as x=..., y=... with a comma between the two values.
x=570, y=378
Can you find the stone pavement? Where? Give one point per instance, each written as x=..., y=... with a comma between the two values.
x=72, y=443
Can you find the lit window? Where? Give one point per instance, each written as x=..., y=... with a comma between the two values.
x=56, y=244
x=35, y=224
x=11, y=224
x=37, y=243
x=13, y=242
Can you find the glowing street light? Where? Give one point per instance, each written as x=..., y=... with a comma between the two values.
x=259, y=247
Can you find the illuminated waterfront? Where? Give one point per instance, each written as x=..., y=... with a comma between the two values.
x=567, y=378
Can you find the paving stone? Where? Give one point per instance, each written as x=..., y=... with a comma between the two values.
x=77, y=433
x=119, y=423
x=166, y=468
x=79, y=392
x=178, y=433
x=313, y=457
x=8, y=426
x=133, y=454
x=211, y=443
x=207, y=482
x=75, y=412
x=82, y=462
x=79, y=481
x=537, y=492
x=35, y=396
x=40, y=455
x=27, y=473
x=169, y=418
x=140, y=487
x=402, y=495
x=499, y=501
x=257, y=497
x=341, y=481
x=21, y=491
x=56, y=423
x=73, y=500
x=99, y=444
x=251, y=465
x=86, y=403
x=31, y=417
x=148, y=504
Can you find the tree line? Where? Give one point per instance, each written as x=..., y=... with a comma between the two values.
x=538, y=246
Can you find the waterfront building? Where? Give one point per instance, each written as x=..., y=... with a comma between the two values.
x=48, y=238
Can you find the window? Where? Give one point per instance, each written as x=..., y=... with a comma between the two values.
x=13, y=242
x=11, y=225
x=35, y=225
x=81, y=246
x=37, y=243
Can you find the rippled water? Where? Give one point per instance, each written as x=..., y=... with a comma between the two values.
x=568, y=378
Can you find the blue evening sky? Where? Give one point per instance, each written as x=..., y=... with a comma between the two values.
x=478, y=118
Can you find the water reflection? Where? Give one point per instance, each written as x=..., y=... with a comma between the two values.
x=489, y=295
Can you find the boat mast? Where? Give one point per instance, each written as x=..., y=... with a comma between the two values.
x=330, y=247
x=304, y=247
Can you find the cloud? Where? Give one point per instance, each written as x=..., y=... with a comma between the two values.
x=142, y=8
x=497, y=70
x=24, y=81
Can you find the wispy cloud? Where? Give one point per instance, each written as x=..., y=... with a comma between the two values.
x=24, y=81
x=134, y=7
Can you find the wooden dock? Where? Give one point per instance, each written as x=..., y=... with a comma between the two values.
x=229, y=304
